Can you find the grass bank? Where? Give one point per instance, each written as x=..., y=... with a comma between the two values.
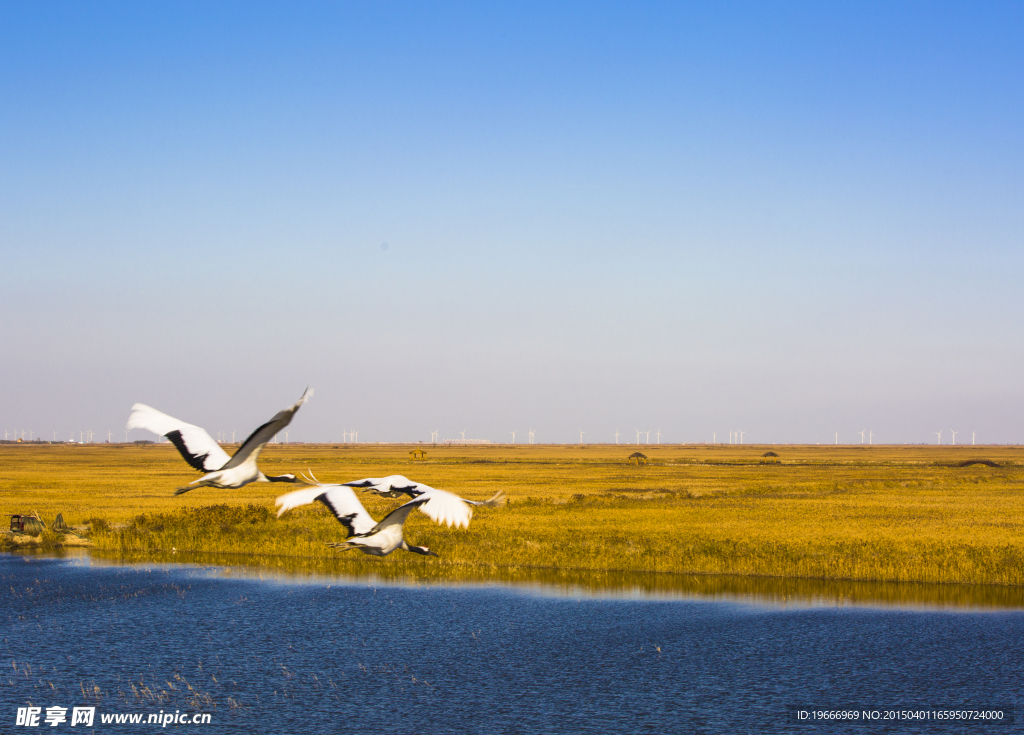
x=907, y=514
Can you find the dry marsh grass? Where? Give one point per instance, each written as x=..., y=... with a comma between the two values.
x=881, y=513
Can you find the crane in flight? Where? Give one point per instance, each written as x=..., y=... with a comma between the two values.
x=199, y=449
x=363, y=532
x=395, y=486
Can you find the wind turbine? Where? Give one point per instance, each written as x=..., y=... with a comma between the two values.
x=433, y=435
x=954, y=433
x=871, y=436
x=232, y=437
x=648, y=432
x=513, y=437
x=354, y=436
x=581, y=436
x=30, y=432
x=531, y=433
x=109, y=434
x=972, y=437
x=837, y=438
x=714, y=438
x=862, y=435
x=741, y=432
x=286, y=437
x=638, y=437
x=938, y=434
x=55, y=436
x=616, y=436
x=659, y=436
x=463, y=432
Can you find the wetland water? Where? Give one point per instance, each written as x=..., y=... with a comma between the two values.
x=320, y=654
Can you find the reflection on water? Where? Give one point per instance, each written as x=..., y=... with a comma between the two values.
x=789, y=592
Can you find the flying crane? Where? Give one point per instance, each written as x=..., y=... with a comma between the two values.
x=199, y=449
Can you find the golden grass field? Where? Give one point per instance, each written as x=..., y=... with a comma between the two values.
x=869, y=513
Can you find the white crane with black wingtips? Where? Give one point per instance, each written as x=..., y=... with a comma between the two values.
x=204, y=454
x=364, y=533
x=394, y=486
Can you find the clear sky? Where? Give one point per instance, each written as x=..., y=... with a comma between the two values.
x=793, y=219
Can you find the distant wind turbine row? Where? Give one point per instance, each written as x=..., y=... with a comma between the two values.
x=352, y=436
x=867, y=436
x=938, y=436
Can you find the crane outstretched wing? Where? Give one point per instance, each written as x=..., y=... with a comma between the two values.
x=254, y=442
x=442, y=506
x=397, y=516
x=439, y=505
x=341, y=501
x=196, y=446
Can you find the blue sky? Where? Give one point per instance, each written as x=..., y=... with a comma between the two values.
x=791, y=219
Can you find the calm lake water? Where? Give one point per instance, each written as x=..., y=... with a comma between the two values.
x=327, y=655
